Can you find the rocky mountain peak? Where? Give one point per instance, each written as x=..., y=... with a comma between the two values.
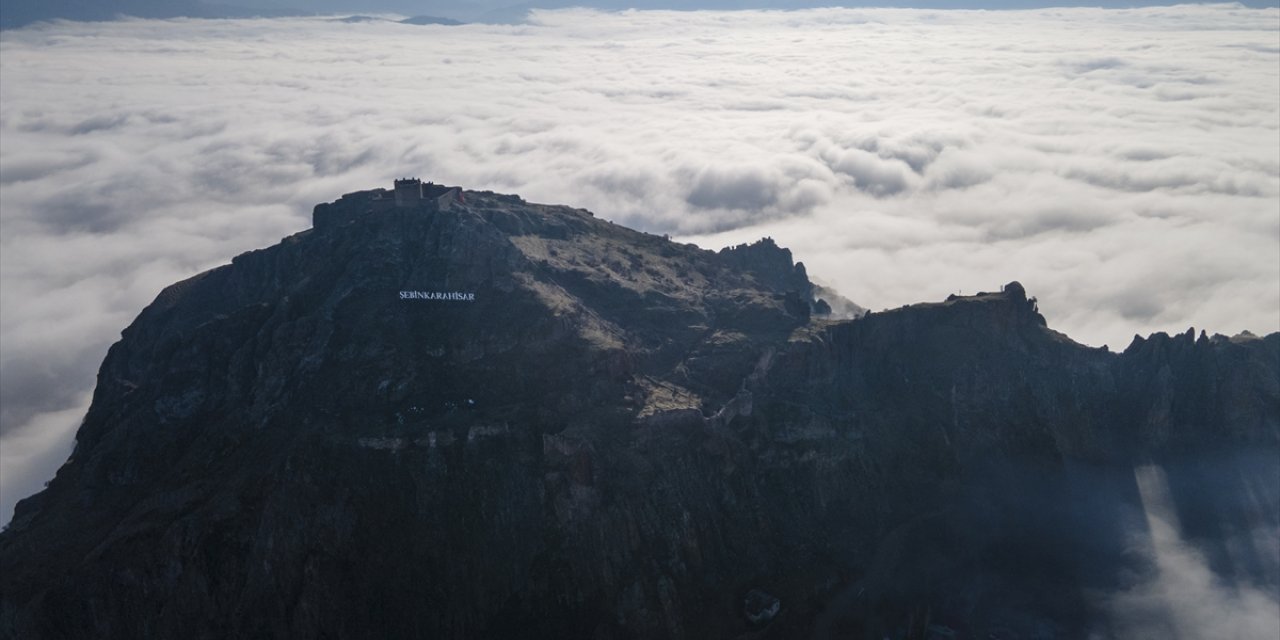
x=455, y=413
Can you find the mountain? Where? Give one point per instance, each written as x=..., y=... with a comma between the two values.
x=426, y=20
x=458, y=414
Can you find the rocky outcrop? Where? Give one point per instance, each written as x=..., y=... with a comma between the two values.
x=618, y=437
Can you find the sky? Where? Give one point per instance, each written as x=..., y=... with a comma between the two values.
x=1124, y=165
x=16, y=13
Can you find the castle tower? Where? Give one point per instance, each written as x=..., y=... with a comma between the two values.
x=408, y=192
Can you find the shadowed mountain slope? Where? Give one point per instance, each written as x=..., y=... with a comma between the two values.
x=480, y=417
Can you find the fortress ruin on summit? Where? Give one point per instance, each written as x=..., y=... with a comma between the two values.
x=406, y=193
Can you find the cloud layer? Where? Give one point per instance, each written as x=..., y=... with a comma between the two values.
x=1182, y=598
x=1122, y=164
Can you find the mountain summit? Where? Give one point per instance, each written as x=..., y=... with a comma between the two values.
x=448, y=413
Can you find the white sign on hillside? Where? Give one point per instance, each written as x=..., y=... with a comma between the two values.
x=452, y=296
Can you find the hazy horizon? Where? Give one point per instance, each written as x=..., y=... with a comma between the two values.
x=17, y=13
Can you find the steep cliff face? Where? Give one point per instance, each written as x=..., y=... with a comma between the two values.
x=503, y=419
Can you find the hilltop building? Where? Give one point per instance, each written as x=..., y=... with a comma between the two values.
x=412, y=192
x=406, y=193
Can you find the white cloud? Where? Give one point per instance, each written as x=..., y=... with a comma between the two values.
x=1182, y=597
x=1122, y=164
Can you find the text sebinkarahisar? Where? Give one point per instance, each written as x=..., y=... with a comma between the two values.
x=457, y=296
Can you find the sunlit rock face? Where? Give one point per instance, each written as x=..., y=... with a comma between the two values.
x=601, y=433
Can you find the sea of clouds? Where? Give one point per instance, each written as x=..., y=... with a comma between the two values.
x=1123, y=164
x=1182, y=598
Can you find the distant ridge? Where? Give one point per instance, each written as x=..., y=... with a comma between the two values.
x=19, y=13
x=425, y=20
